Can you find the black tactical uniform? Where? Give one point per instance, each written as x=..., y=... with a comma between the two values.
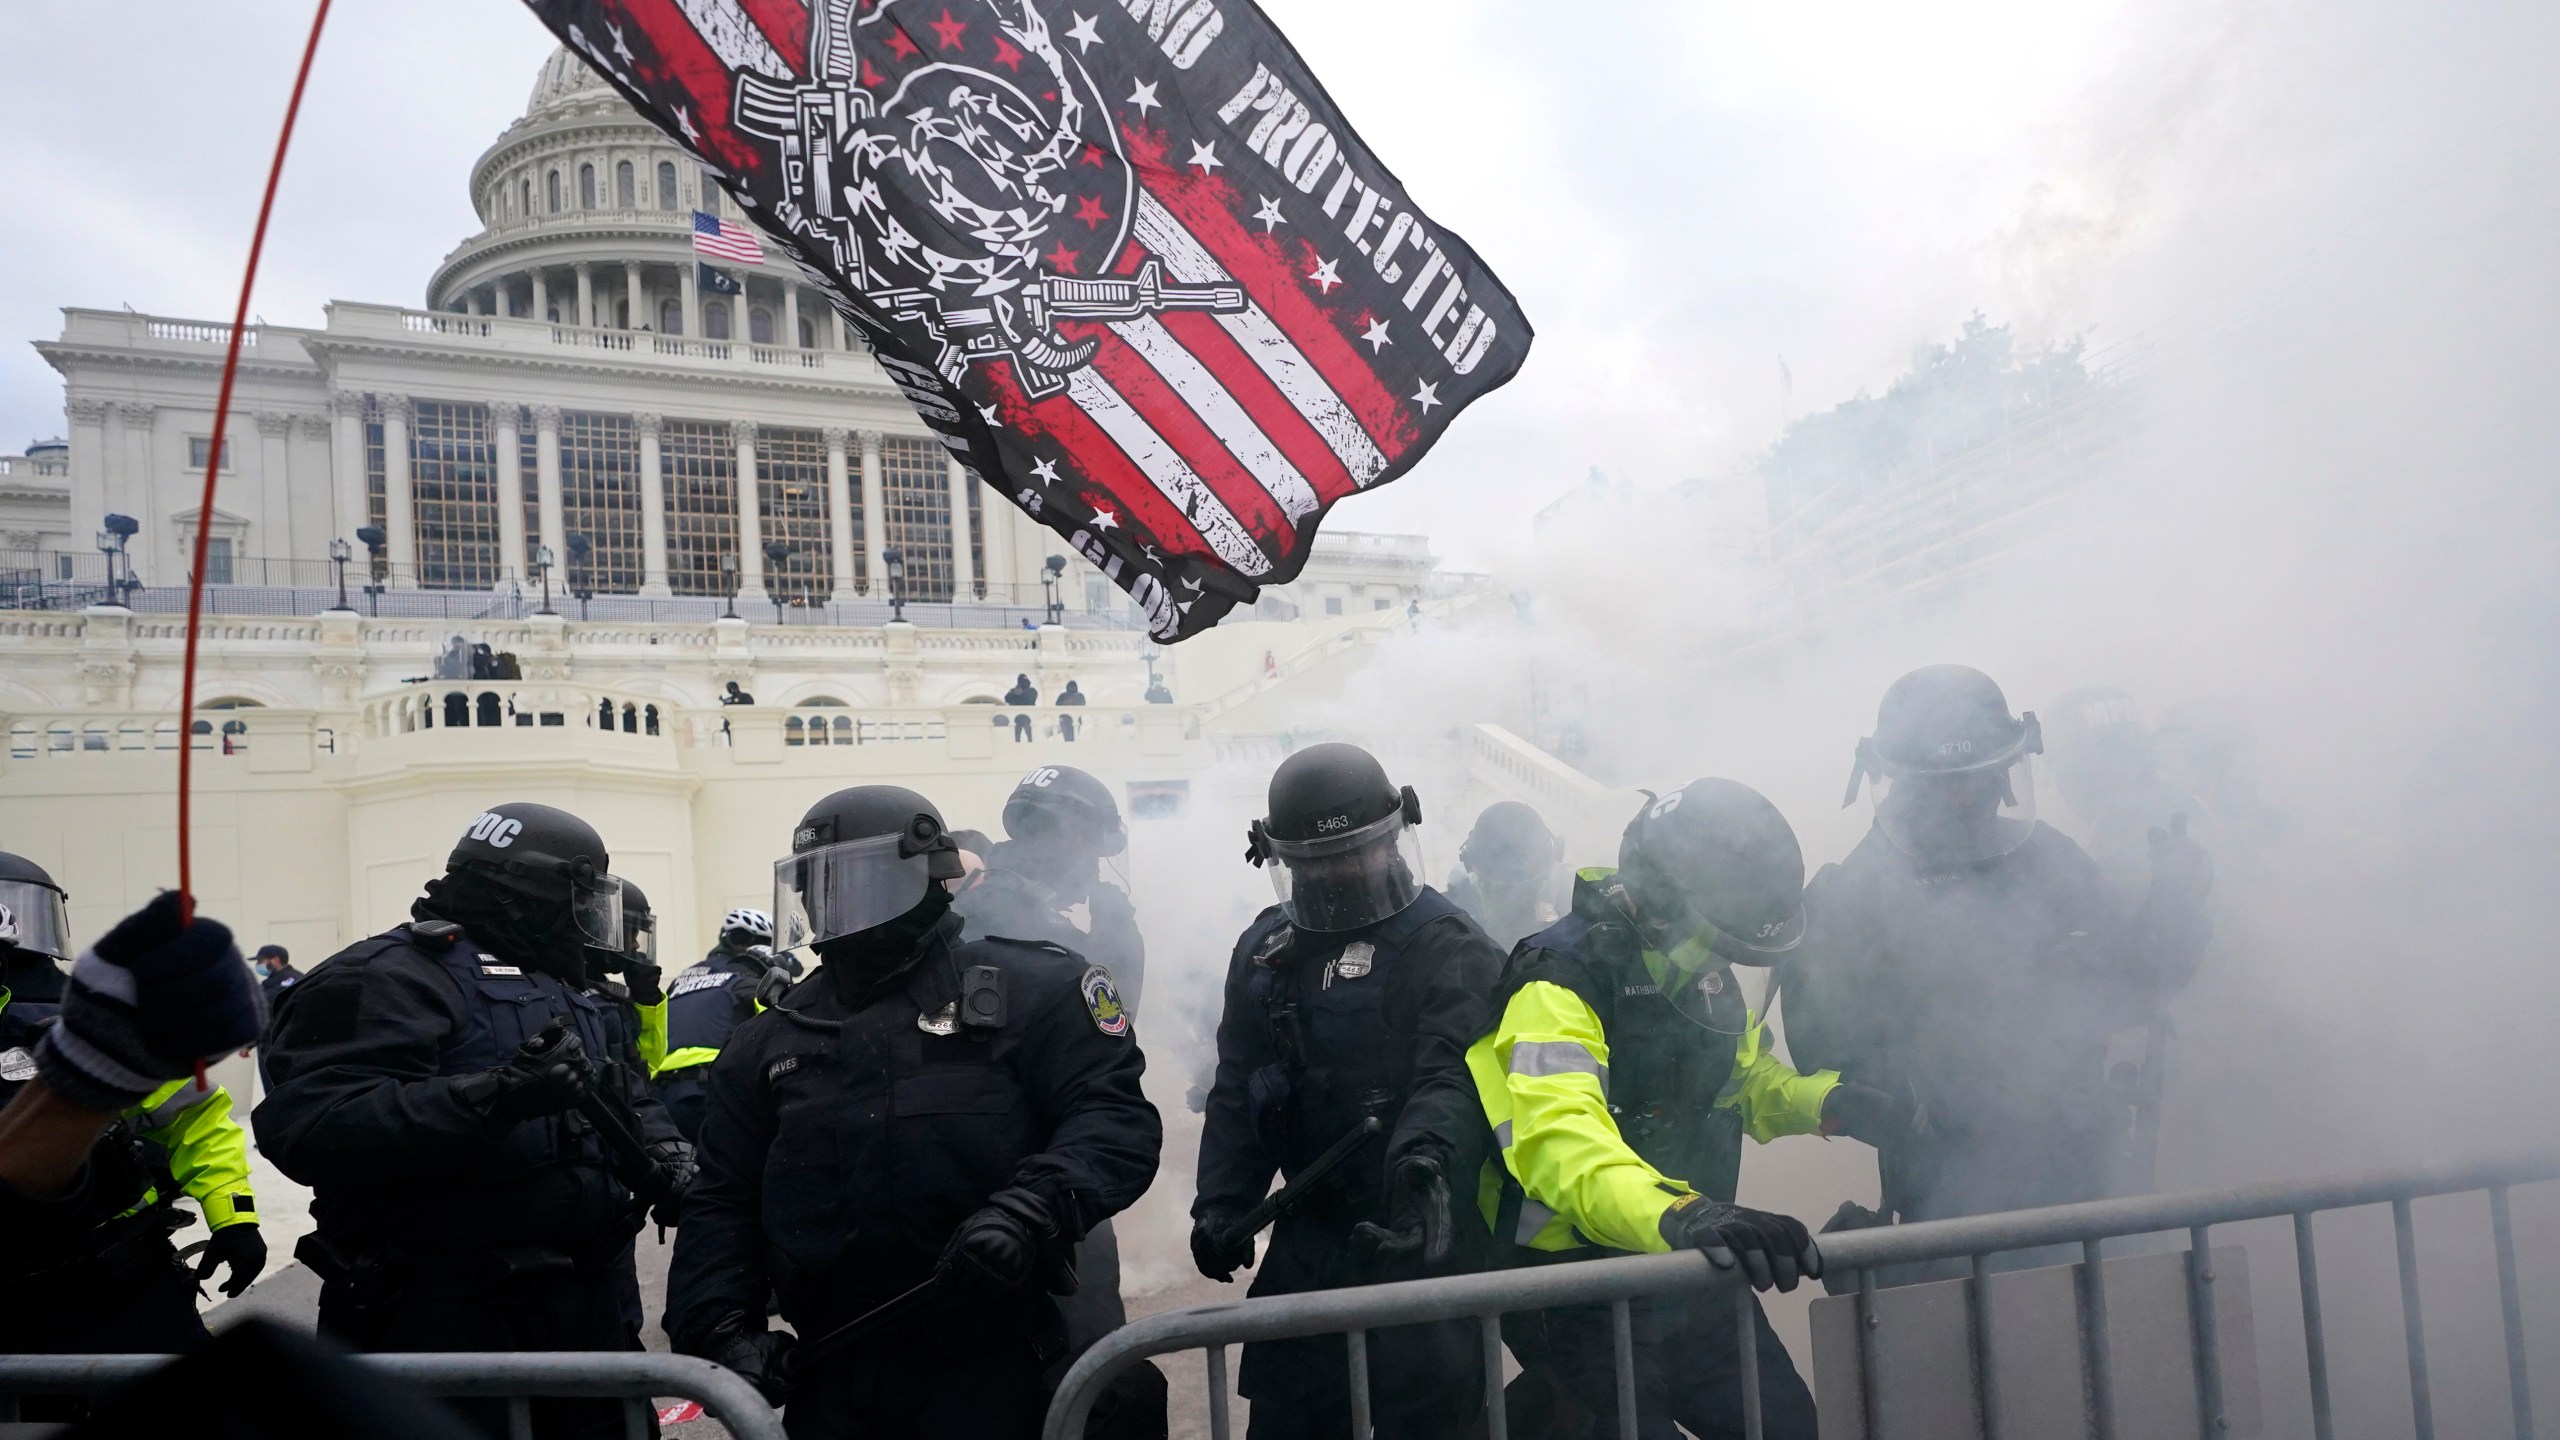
x=626, y=978
x=1044, y=884
x=1510, y=874
x=1362, y=1007
x=918, y=1108
x=1976, y=961
x=460, y=1204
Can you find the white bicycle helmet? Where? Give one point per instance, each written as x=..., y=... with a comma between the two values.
x=755, y=923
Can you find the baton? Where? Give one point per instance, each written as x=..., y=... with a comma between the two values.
x=642, y=1174
x=1278, y=1202
x=835, y=1342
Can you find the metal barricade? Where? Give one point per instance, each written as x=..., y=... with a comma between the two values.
x=634, y=1377
x=1617, y=1281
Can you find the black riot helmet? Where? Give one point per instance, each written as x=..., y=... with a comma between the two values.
x=1511, y=842
x=861, y=858
x=32, y=913
x=1338, y=840
x=1714, y=861
x=639, y=927
x=545, y=859
x=1948, y=752
x=1063, y=806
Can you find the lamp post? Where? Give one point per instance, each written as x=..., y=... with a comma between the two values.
x=543, y=560
x=582, y=575
x=378, y=565
x=729, y=585
x=112, y=542
x=777, y=559
x=1052, y=572
x=895, y=560
x=340, y=552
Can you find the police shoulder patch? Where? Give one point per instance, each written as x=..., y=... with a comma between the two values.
x=1102, y=1002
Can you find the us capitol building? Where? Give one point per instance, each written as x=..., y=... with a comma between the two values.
x=632, y=495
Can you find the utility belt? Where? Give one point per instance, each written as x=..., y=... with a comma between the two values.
x=373, y=1273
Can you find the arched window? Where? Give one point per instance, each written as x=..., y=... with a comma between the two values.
x=604, y=715
x=671, y=316
x=808, y=333
x=488, y=705
x=551, y=191
x=715, y=319
x=649, y=718
x=844, y=729
x=524, y=196
x=630, y=720
x=626, y=187
x=457, y=710
x=760, y=326
x=586, y=187
x=666, y=185
x=792, y=734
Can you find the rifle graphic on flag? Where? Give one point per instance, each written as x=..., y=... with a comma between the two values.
x=1132, y=268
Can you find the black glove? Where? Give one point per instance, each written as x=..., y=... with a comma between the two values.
x=760, y=1357
x=239, y=1246
x=1864, y=1113
x=1004, y=1247
x=151, y=1000
x=1418, y=1202
x=544, y=1077
x=2181, y=871
x=647, y=983
x=676, y=1167
x=1771, y=1249
x=1218, y=1248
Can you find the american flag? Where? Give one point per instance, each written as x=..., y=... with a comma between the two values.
x=1132, y=268
x=721, y=240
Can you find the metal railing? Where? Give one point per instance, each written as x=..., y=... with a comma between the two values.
x=1616, y=1282
x=634, y=1377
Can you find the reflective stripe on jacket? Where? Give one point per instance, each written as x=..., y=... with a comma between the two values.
x=208, y=1150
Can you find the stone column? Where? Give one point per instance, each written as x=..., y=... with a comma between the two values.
x=541, y=298
x=498, y=304
x=653, y=506
x=875, y=519
x=750, y=528
x=839, y=517
x=964, y=572
x=399, y=510
x=132, y=492
x=273, y=514
x=93, y=463
x=1004, y=581
x=835, y=327
x=586, y=294
x=689, y=279
x=632, y=296
x=508, y=422
x=470, y=302
x=791, y=314
x=346, y=469
x=546, y=486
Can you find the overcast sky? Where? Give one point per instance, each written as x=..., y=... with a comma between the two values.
x=1681, y=193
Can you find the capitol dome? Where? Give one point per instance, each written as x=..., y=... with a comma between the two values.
x=586, y=214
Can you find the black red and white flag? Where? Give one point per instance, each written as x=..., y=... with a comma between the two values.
x=1124, y=256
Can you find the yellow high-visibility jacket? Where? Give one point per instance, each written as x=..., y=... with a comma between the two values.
x=207, y=1148
x=1619, y=1080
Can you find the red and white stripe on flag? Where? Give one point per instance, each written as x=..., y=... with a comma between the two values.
x=721, y=240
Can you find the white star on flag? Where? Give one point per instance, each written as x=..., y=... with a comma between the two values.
x=1326, y=275
x=1376, y=335
x=1204, y=156
x=1144, y=97
x=1427, y=396
x=1270, y=214
x=1082, y=33
x=988, y=414
x=684, y=122
x=619, y=48
x=1105, y=520
x=1047, y=470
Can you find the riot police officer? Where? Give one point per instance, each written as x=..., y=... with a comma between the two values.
x=705, y=1003
x=1973, y=960
x=1045, y=882
x=1349, y=1006
x=96, y=1272
x=1511, y=874
x=921, y=1109
x=1620, y=1080
x=426, y=1085
x=626, y=978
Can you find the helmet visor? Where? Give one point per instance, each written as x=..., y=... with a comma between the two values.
x=1960, y=817
x=640, y=936
x=32, y=918
x=846, y=888
x=1348, y=881
x=597, y=905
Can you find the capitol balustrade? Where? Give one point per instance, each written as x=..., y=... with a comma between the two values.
x=525, y=335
